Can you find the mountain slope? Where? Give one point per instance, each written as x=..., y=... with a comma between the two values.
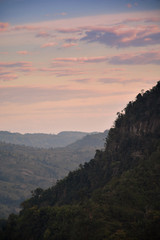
x=62, y=139
x=25, y=168
x=113, y=197
x=94, y=140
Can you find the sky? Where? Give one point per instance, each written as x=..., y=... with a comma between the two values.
x=71, y=65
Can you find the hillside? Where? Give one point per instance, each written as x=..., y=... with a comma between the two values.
x=25, y=168
x=95, y=141
x=115, y=196
x=62, y=139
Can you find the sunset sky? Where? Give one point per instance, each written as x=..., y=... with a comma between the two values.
x=73, y=64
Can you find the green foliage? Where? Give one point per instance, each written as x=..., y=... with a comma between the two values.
x=25, y=168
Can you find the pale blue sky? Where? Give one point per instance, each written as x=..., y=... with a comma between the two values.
x=26, y=11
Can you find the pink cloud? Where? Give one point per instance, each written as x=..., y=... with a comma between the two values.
x=116, y=29
x=150, y=57
x=22, y=52
x=51, y=44
x=129, y=5
x=120, y=80
x=69, y=72
x=72, y=39
x=123, y=36
x=44, y=69
x=82, y=59
x=15, y=64
x=109, y=80
x=69, y=30
x=7, y=77
x=141, y=19
x=26, y=27
x=60, y=64
x=27, y=69
x=3, y=26
x=44, y=34
x=63, y=14
x=62, y=72
x=82, y=80
x=68, y=45
x=114, y=70
x=152, y=19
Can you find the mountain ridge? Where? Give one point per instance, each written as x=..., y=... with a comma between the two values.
x=44, y=140
x=115, y=196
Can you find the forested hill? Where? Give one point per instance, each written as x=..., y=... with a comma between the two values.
x=61, y=139
x=115, y=196
x=25, y=168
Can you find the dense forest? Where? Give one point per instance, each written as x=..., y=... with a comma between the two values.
x=115, y=196
x=24, y=169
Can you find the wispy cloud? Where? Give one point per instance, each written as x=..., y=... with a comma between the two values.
x=23, y=52
x=129, y=5
x=125, y=80
x=7, y=76
x=151, y=57
x=62, y=72
x=145, y=57
x=39, y=94
x=118, y=80
x=141, y=19
x=82, y=59
x=25, y=67
x=43, y=34
x=3, y=53
x=123, y=36
x=109, y=80
x=69, y=30
x=51, y=44
x=27, y=27
x=15, y=64
x=82, y=80
x=114, y=70
x=68, y=45
x=3, y=26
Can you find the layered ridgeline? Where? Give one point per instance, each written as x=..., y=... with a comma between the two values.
x=61, y=139
x=115, y=196
x=26, y=168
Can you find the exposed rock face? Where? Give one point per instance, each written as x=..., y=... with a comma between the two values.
x=142, y=128
x=142, y=116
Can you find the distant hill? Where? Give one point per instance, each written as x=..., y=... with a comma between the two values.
x=115, y=196
x=62, y=139
x=95, y=141
x=25, y=168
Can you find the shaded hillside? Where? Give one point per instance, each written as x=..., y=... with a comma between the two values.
x=95, y=141
x=115, y=196
x=25, y=168
x=62, y=139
